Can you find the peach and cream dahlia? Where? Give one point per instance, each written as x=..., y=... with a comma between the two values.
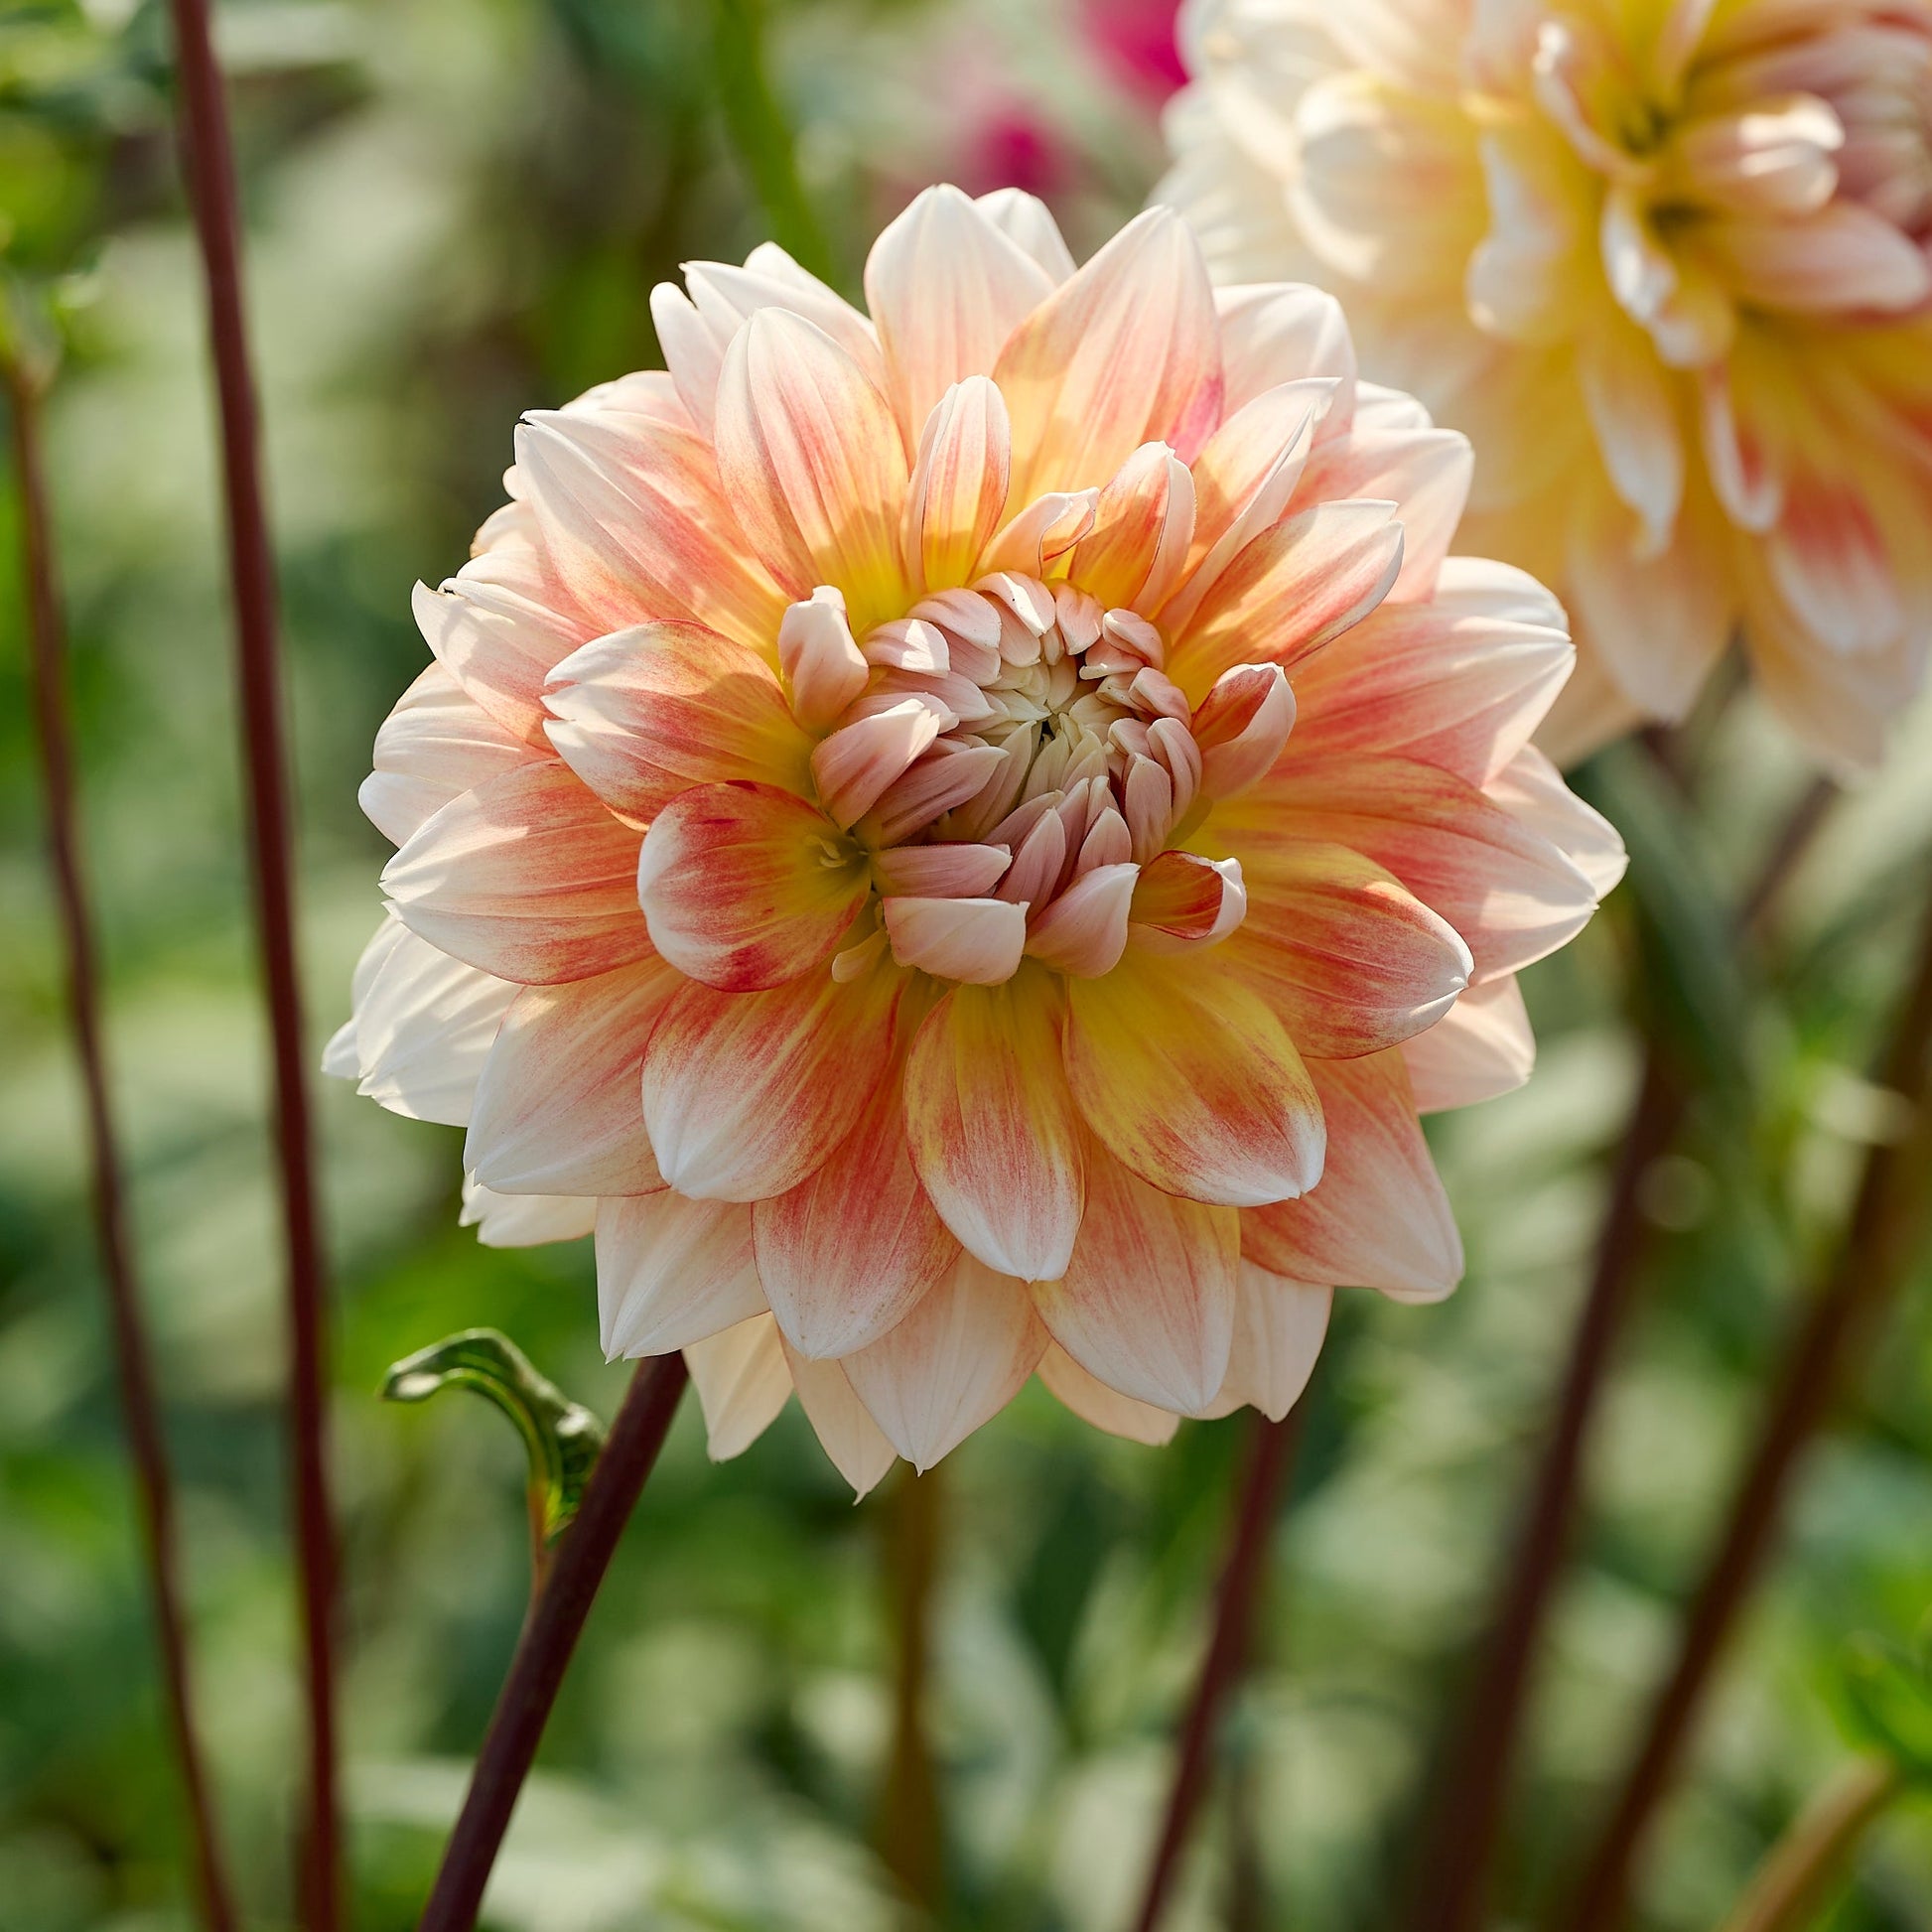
x=958, y=841
x=1668, y=262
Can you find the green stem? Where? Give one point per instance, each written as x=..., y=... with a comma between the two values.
x=1789, y=1889
x=910, y=1837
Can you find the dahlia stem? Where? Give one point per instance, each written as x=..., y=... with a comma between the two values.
x=1271, y=1450
x=909, y=1838
x=763, y=135
x=549, y=1638
x=1460, y=1836
x=1887, y=1223
x=208, y=165
x=1789, y=1889
x=133, y=1355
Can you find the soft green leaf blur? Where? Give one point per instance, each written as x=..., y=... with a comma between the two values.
x=457, y=210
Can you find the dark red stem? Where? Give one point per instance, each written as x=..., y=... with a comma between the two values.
x=1270, y=1453
x=133, y=1358
x=549, y=1638
x=208, y=161
x=1888, y=1224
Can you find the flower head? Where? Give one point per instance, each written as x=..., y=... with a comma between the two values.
x=959, y=840
x=1669, y=266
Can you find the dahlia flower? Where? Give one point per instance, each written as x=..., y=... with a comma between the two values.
x=1667, y=265
x=959, y=841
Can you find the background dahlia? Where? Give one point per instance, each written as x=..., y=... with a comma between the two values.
x=1667, y=265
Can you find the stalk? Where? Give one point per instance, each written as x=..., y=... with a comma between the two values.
x=1888, y=1224
x=1271, y=1450
x=909, y=1838
x=1789, y=1889
x=209, y=163
x=549, y=1639
x=133, y=1354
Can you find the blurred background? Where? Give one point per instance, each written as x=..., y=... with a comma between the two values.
x=457, y=209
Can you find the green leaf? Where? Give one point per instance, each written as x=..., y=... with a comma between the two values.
x=1885, y=1700
x=562, y=1437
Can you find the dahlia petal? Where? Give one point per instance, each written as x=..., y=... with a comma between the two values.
x=1635, y=417
x=957, y=495
x=977, y=941
x=527, y=877
x=1531, y=789
x=693, y=348
x=671, y=1271
x=812, y=463
x=1144, y=512
x=1279, y=1329
x=1182, y=902
x=1845, y=256
x=745, y=887
x=1525, y=279
x=1274, y=333
x=1744, y=470
x=854, y=766
x=1146, y=1303
x=1481, y=1047
x=1773, y=158
x=1292, y=589
x=992, y=1126
x=846, y=1254
x=434, y=746
x=1349, y=960
x=825, y=670
x=742, y=1381
x=1424, y=470
x=1828, y=558
x=940, y=870
x=557, y=1108
x=945, y=778
x=645, y=714
x=1094, y=1402
x=1380, y=1218
x=771, y=279
x=1841, y=708
x=946, y=288
x=955, y=1361
x=1189, y=1080
x=1047, y=528
x=1241, y=725
x=1025, y=221
x=523, y=1220
x=1118, y=356
x=859, y=1450
x=1084, y=931
x=497, y=644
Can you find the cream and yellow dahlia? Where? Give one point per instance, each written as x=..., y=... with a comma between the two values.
x=1666, y=261
x=958, y=841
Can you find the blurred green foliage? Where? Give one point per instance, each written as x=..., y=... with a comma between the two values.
x=457, y=208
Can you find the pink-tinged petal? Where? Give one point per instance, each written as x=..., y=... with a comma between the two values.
x=1183, y=902
x=1506, y=889
x=859, y=1450
x=1827, y=559
x=940, y=870
x=1286, y=332
x=742, y=1380
x=645, y=714
x=1143, y=526
x=825, y=670
x=948, y=776
x=1532, y=790
x=1633, y=414
x=1687, y=308
x=436, y=745
x=955, y=1361
x=498, y=645
x=1443, y=682
x=957, y=496
x=745, y=886
x=992, y=1126
x=527, y=877
x=946, y=288
x=729, y=296
x=1084, y=931
x=1844, y=709
x=524, y=1220
x=1189, y=1080
x=1744, y=468
x=1278, y=1329
x=1039, y=853
x=557, y=1109
x=1845, y=256
x=672, y=1271
x=422, y=1028
x=1146, y=1303
x=1046, y=529
x=1481, y=1047
x=637, y=528
x=1094, y=1402
x=644, y=396
x=1773, y=158
x=693, y=348
x=846, y=1254
x=1528, y=278
x=812, y=463
x=1424, y=472
x=1348, y=959
x=1119, y=354
x=854, y=767
x=1025, y=221
x=978, y=941
x=1241, y=725
x=1379, y=1218
x=1292, y=589
x=748, y=1093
